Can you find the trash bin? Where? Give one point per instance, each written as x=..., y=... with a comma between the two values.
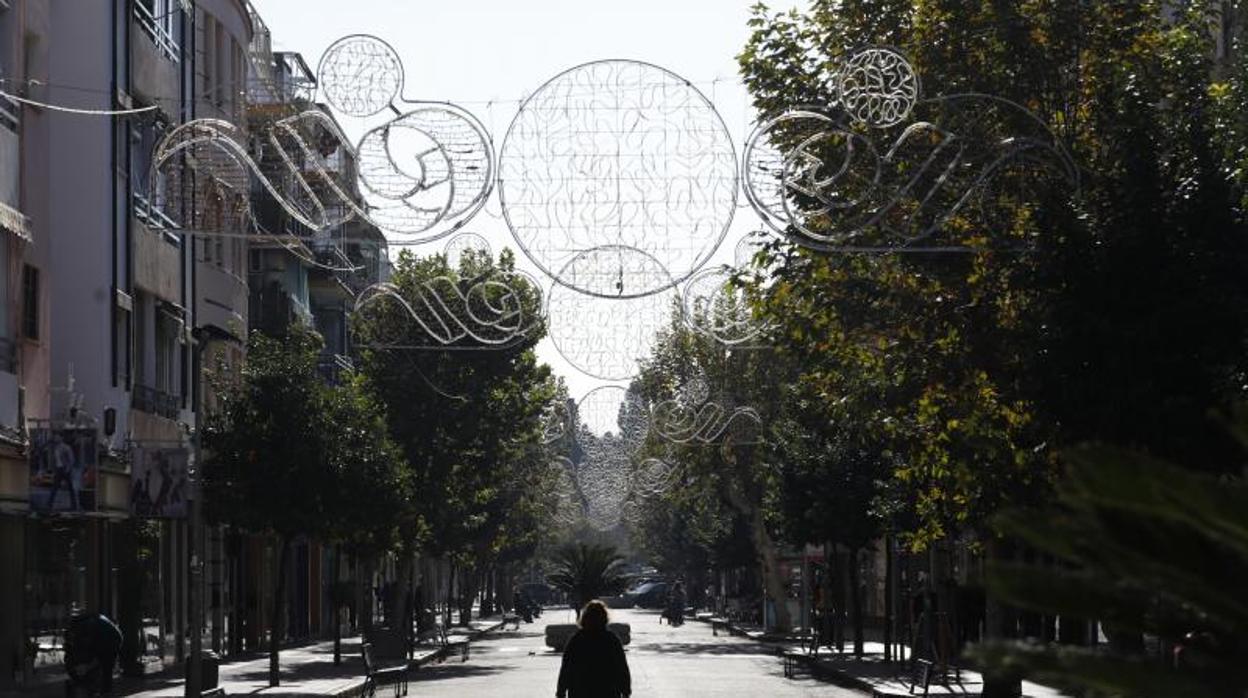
x=210, y=670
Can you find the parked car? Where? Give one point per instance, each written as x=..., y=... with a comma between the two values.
x=541, y=594
x=649, y=595
x=620, y=601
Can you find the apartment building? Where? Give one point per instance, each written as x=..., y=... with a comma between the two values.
x=104, y=289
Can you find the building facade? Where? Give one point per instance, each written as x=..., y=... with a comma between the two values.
x=104, y=290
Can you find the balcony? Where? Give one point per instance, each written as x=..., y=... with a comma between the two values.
x=149, y=214
x=155, y=70
x=158, y=29
x=152, y=401
x=222, y=297
x=11, y=218
x=332, y=367
x=157, y=252
x=10, y=114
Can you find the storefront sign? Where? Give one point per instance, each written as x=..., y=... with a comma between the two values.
x=64, y=469
x=158, y=483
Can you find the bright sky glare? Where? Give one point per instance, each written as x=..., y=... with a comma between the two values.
x=487, y=55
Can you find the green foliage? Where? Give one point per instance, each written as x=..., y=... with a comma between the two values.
x=1119, y=315
x=1145, y=546
x=268, y=469
x=587, y=571
x=373, y=500
x=468, y=420
x=293, y=456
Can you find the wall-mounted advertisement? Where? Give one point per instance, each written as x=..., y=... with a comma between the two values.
x=158, y=483
x=64, y=469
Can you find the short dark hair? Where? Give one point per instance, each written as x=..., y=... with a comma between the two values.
x=593, y=616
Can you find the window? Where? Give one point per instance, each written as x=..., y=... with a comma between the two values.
x=30, y=302
x=220, y=62
x=168, y=368
x=121, y=348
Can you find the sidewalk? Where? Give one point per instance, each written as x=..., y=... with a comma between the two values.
x=306, y=670
x=870, y=672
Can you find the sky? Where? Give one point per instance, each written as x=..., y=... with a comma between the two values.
x=488, y=55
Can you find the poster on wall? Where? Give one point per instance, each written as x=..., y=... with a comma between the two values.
x=63, y=469
x=158, y=483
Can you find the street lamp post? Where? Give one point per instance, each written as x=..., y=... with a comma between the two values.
x=203, y=336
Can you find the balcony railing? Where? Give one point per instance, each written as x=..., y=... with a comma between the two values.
x=149, y=214
x=156, y=29
x=152, y=401
x=10, y=112
x=333, y=366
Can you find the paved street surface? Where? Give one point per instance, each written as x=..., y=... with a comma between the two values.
x=665, y=661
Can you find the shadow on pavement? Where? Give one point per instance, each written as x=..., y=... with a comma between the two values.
x=696, y=648
x=443, y=672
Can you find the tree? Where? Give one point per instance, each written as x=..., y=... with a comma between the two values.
x=727, y=460
x=467, y=415
x=1115, y=312
x=373, y=497
x=830, y=489
x=268, y=471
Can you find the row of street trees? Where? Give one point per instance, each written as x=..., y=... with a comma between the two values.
x=919, y=393
x=427, y=449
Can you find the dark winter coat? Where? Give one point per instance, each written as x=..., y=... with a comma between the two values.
x=594, y=667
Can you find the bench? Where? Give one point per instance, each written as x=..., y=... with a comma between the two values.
x=791, y=660
x=375, y=675
x=512, y=620
x=921, y=676
x=448, y=644
x=718, y=624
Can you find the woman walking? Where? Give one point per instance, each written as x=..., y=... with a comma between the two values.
x=593, y=660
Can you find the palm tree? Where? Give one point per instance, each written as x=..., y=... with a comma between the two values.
x=1147, y=548
x=587, y=571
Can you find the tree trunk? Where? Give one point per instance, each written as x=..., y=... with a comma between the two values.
x=837, y=597
x=364, y=594
x=277, y=627
x=129, y=595
x=855, y=601
x=400, y=603
x=889, y=574
x=772, y=580
x=450, y=595
x=999, y=625
x=336, y=605
x=467, y=597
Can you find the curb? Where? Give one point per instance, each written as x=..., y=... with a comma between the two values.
x=357, y=688
x=839, y=677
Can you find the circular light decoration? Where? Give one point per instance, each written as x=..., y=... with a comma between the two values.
x=611, y=419
x=603, y=479
x=601, y=335
x=426, y=173
x=748, y=246
x=713, y=306
x=878, y=87
x=618, y=153
x=360, y=75
x=462, y=243
x=653, y=476
x=812, y=180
